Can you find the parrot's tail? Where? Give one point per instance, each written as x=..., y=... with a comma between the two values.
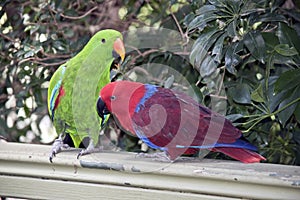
x=243, y=155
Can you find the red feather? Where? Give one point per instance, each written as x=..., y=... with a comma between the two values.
x=61, y=93
x=243, y=155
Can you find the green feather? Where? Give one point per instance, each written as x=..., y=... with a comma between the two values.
x=84, y=76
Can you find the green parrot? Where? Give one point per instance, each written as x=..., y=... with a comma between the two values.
x=74, y=88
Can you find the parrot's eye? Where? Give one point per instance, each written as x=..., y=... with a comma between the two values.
x=113, y=97
x=103, y=40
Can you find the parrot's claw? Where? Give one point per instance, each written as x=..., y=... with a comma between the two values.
x=159, y=156
x=57, y=146
x=89, y=151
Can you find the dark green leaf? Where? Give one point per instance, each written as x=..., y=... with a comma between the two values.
x=218, y=48
x=235, y=5
x=284, y=115
x=241, y=94
x=258, y=94
x=249, y=7
x=200, y=21
x=188, y=19
x=272, y=17
x=287, y=35
x=206, y=9
x=256, y=45
x=27, y=110
x=297, y=112
x=287, y=80
x=284, y=60
x=199, y=49
x=208, y=66
x=271, y=40
x=285, y=50
x=232, y=59
x=274, y=98
x=234, y=117
x=231, y=29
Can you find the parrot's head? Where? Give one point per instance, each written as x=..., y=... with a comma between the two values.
x=119, y=98
x=109, y=42
x=104, y=101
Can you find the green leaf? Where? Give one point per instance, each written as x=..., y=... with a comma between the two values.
x=235, y=5
x=284, y=60
x=288, y=35
x=241, y=94
x=232, y=59
x=218, y=48
x=285, y=50
x=206, y=9
x=276, y=99
x=233, y=117
x=258, y=94
x=271, y=40
x=297, y=112
x=200, y=21
x=188, y=18
x=256, y=45
x=284, y=115
x=272, y=17
x=231, y=29
x=287, y=80
x=248, y=8
x=199, y=49
x=208, y=66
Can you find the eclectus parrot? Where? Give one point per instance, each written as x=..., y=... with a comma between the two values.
x=172, y=121
x=74, y=89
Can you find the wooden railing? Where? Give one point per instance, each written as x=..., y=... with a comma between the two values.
x=25, y=172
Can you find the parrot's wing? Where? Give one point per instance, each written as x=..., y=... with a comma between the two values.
x=169, y=117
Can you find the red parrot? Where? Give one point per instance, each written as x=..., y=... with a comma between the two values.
x=172, y=121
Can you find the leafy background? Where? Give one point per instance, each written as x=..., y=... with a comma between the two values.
x=252, y=47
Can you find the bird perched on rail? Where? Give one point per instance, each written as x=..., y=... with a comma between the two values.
x=74, y=89
x=172, y=122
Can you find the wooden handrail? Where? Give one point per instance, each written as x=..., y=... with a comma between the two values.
x=25, y=172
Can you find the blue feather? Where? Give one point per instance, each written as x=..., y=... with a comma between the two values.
x=237, y=144
x=150, y=91
x=55, y=92
x=148, y=142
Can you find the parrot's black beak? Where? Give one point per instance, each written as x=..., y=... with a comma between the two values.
x=102, y=110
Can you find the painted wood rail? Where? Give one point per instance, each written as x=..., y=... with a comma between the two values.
x=25, y=172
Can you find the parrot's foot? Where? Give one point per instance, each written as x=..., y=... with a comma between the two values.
x=90, y=149
x=159, y=156
x=57, y=146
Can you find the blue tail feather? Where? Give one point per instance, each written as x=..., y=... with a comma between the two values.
x=237, y=144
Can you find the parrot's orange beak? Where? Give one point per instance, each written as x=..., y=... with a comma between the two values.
x=119, y=48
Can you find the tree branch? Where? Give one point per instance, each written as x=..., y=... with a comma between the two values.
x=75, y=18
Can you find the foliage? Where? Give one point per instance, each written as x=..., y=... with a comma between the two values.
x=256, y=45
x=245, y=52
x=250, y=49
